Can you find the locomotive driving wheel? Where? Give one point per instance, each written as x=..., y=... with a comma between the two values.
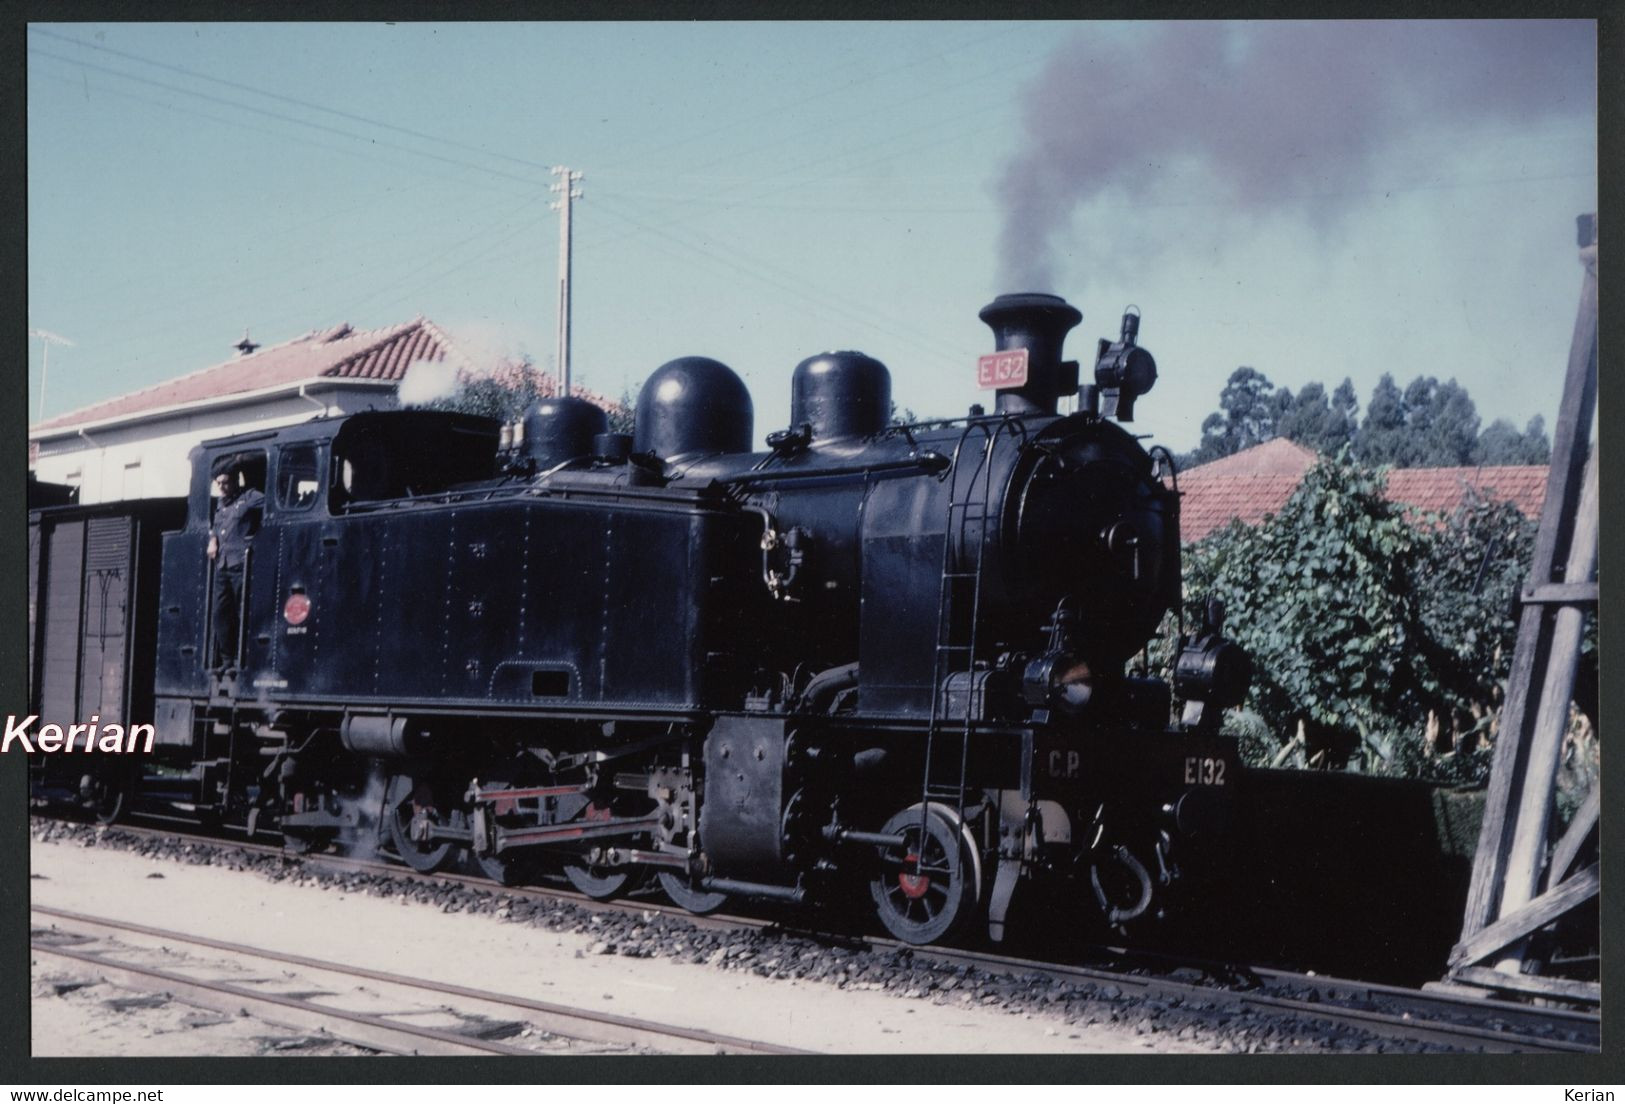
x=598, y=879
x=411, y=806
x=685, y=895
x=926, y=888
x=105, y=793
x=600, y=882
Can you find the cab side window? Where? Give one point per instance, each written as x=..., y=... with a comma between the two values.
x=298, y=477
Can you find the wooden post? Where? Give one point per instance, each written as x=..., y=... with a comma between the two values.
x=1510, y=867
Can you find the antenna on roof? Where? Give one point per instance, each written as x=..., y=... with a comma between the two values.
x=245, y=346
x=45, y=365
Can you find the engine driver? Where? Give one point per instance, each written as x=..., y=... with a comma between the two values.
x=235, y=522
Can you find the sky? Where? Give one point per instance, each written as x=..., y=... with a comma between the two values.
x=1314, y=200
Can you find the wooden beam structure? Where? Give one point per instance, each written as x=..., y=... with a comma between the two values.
x=1520, y=884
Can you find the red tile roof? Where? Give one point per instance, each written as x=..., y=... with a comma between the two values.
x=1247, y=485
x=341, y=352
x=1277, y=456
x=1441, y=490
x=1257, y=482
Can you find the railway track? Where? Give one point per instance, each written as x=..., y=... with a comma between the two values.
x=1441, y=1019
x=321, y=995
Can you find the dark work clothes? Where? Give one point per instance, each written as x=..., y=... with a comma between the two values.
x=228, y=599
x=235, y=524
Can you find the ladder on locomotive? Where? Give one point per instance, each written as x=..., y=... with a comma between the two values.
x=959, y=607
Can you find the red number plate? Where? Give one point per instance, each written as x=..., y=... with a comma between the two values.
x=996, y=371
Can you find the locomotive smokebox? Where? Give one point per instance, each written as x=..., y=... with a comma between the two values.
x=842, y=394
x=693, y=406
x=1037, y=323
x=557, y=430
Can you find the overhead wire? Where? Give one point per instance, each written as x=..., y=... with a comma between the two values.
x=825, y=89
x=237, y=105
x=830, y=304
x=261, y=308
x=507, y=230
x=534, y=182
x=102, y=47
x=191, y=263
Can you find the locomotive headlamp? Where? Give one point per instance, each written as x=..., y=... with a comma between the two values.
x=1123, y=370
x=1058, y=681
x=1212, y=673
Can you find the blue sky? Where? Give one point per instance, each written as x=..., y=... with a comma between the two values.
x=1314, y=201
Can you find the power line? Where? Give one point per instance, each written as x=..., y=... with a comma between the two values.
x=240, y=124
x=261, y=307
x=289, y=99
x=285, y=118
x=778, y=110
x=149, y=275
x=765, y=274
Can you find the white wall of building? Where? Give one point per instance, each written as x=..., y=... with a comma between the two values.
x=148, y=458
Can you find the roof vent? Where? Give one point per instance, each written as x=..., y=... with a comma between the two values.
x=245, y=346
x=343, y=329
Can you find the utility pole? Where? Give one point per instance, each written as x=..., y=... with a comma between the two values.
x=45, y=366
x=567, y=192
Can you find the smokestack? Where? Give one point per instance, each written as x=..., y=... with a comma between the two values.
x=1037, y=323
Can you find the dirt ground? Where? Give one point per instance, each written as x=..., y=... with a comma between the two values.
x=479, y=951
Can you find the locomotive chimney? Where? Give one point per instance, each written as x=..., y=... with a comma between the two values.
x=1037, y=323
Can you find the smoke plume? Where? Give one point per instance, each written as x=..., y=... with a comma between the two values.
x=424, y=381
x=1269, y=116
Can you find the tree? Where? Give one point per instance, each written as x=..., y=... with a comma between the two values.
x=505, y=394
x=1428, y=424
x=622, y=414
x=509, y=392
x=1441, y=425
x=1501, y=443
x=1248, y=408
x=1346, y=404
x=1382, y=434
x=1314, y=422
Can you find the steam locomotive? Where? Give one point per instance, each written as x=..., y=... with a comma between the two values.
x=881, y=655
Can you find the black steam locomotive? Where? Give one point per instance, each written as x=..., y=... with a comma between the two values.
x=873, y=653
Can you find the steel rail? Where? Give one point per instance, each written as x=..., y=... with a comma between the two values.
x=1403, y=1023
x=1420, y=1015
x=358, y=1028
x=578, y=1023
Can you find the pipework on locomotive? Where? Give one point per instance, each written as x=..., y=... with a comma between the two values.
x=872, y=659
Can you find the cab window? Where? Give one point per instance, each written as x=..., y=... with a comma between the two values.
x=298, y=477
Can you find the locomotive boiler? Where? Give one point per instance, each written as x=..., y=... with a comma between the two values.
x=894, y=660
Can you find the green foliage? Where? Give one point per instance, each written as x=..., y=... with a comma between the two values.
x=1427, y=424
x=488, y=398
x=1246, y=417
x=504, y=395
x=507, y=393
x=621, y=414
x=1378, y=638
x=1313, y=420
x=1501, y=443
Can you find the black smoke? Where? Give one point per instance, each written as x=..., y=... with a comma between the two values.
x=1272, y=116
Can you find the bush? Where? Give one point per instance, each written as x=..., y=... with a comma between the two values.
x=1379, y=638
